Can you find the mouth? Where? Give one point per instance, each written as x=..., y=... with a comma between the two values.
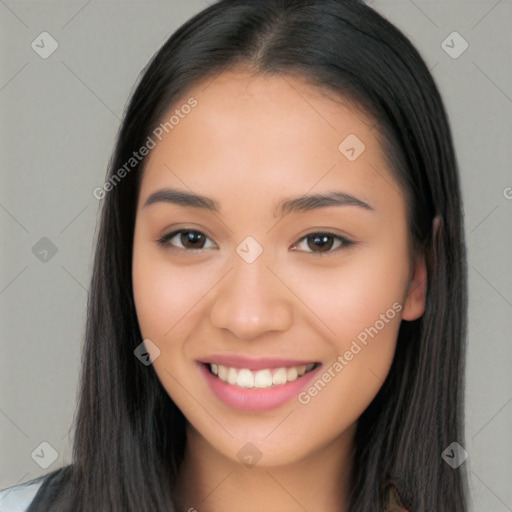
x=256, y=384
x=264, y=378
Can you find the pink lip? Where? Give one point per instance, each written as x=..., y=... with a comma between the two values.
x=255, y=399
x=253, y=363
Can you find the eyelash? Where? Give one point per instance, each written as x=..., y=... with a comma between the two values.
x=345, y=243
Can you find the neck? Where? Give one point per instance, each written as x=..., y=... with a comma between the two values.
x=212, y=482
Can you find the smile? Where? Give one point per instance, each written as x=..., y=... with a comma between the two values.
x=256, y=384
x=261, y=379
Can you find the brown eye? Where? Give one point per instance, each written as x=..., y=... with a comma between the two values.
x=323, y=242
x=320, y=243
x=185, y=239
x=192, y=239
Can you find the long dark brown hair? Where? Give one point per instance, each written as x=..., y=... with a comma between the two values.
x=129, y=436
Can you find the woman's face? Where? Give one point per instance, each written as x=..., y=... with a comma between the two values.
x=294, y=304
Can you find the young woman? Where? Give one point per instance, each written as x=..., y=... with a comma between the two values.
x=277, y=311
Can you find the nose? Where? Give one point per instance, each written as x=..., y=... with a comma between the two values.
x=251, y=301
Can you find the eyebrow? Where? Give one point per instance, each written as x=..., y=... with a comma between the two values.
x=289, y=205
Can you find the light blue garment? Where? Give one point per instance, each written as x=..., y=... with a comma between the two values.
x=18, y=497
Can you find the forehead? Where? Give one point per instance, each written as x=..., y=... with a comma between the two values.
x=267, y=134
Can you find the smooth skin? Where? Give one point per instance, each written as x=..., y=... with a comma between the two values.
x=251, y=142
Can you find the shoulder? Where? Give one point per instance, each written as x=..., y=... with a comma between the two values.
x=18, y=497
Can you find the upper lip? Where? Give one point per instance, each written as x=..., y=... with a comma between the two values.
x=253, y=363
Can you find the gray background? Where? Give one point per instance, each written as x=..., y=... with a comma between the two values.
x=59, y=118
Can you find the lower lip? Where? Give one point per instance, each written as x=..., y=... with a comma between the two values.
x=255, y=399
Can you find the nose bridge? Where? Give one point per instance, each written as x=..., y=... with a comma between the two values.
x=251, y=300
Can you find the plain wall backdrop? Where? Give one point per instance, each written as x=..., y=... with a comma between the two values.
x=59, y=116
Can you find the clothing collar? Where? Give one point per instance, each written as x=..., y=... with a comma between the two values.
x=392, y=500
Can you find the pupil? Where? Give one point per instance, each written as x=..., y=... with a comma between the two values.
x=191, y=237
x=322, y=241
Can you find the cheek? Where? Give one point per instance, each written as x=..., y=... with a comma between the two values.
x=167, y=301
x=364, y=311
x=344, y=300
x=345, y=389
x=166, y=297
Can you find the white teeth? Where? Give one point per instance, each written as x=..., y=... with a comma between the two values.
x=223, y=372
x=279, y=377
x=291, y=374
x=261, y=379
x=232, y=376
x=245, y=378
